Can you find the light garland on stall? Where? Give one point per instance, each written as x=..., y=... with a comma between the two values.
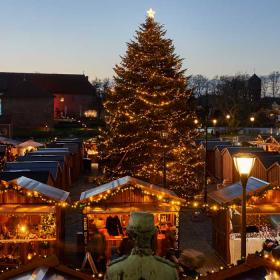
x=5, y=187
x=110, y=194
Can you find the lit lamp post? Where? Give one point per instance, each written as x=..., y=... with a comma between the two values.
x=228, y=118
x=252, y=119
x=243, y=164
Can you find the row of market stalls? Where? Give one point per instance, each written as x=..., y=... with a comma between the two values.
x=31, y=215
x=62, y=160
x=263, y=198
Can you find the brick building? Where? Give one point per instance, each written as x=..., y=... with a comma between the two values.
x=34, y=100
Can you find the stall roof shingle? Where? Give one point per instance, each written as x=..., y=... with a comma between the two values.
x=234, y=191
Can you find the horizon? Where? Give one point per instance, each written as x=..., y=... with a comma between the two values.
x=214, y=38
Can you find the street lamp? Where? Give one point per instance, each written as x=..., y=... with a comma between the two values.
x=214, y=122
x=243, y=164
x=252, y=119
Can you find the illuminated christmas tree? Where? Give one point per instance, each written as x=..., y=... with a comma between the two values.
x=150, y=131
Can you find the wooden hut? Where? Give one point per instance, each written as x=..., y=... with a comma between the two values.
x=218, y=161
x=44, y=177
x=108, y=207
x=273, y=174
x=210, y=154
x=52, y=166
x=31, y=224
x=229, y=173
x=63, y=162
x=227, y=222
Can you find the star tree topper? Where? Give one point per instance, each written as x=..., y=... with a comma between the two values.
x=151, y=13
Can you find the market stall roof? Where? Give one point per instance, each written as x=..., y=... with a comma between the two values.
x=42, y=269
x=43, y=157
x=8, y=141
x=51, y=166
x=30, y=143
x=234, y=191
x=33, y=185
x=126, y=181
x=41, y=176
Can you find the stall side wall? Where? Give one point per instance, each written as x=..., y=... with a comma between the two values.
x=221, y=234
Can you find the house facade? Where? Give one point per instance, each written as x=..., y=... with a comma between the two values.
x=36, y=100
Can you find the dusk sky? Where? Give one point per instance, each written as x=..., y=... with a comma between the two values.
x=74, y=36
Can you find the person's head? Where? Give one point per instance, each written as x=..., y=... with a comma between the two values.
x=141, y=228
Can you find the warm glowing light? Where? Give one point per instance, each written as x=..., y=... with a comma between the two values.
x=90, y=114
x=195, y=204
x=227, y=116
x=244, y=163
x=214, y=121
x=215, y=207
x=252, y=119
x=61, y=99
x=23, y=228
x=29, y=256
x=151, y=13
x=195, y=121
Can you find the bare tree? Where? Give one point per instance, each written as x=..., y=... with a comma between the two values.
x=274, y=82
x=265, y=86
x=199, y=85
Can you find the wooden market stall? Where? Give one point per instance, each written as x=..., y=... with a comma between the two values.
x=27, y=146
x=31, y=220
x=108, y=208
x=227, y=222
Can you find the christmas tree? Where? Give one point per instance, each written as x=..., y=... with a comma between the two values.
x=150, y=131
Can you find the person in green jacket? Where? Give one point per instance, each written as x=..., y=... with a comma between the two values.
x=141, y=264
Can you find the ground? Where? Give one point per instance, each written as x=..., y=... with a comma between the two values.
x=193, y=234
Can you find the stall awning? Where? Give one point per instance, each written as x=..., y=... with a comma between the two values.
x=51, y=192
x=30, y=143
x=126, y=181
x=234, y=191
x=22, y=209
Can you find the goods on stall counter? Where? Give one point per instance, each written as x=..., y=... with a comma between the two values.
x=113, y=226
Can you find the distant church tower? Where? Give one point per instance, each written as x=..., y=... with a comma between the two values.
x=254, y=87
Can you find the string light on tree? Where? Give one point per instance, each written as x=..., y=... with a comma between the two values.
x=150, y=96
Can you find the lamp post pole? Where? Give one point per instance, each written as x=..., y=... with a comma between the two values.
x=243, y=163
x=244, y=180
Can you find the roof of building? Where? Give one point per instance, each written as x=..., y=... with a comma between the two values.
x=121, y=182
x=51, y=166
x=211, y=144
x=268, y=158
x=52, y=83
x=237, y=149
x=41, y=176
x=221, y=147
x=44, y=157
x=234, y=191
x=44, y=189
